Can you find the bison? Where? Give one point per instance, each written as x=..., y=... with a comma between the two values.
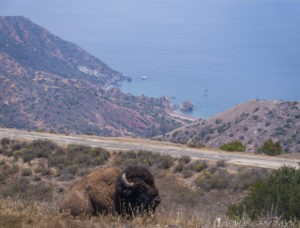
x=109, y=190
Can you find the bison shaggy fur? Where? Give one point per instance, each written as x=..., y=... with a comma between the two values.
x=92, y=194
x=112, y=191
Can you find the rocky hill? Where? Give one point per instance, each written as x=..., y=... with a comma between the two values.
x=252, y=122
x=54, y=85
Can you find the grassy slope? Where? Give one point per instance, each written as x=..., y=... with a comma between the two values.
x=35, y=175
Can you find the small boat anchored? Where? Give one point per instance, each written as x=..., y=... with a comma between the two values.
x=145, y=77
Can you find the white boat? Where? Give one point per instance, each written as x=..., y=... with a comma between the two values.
x=145, y=77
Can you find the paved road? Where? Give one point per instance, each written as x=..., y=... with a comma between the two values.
x=155, y=147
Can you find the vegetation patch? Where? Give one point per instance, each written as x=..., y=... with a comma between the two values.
x=278, y=196
x=187, y=187
x=234, y=146
x=270, y=148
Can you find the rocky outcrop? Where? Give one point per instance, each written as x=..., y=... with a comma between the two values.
x=187, y=106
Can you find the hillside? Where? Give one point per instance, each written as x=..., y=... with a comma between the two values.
x=35, y=176
x=54, y=85
x=252, y=122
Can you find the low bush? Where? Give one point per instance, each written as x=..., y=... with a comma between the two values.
x=179, y=168
x=166, y=162
x=35, y=149
x=219, y=180
x=6, y=170
x=270, y=148
x=187, y=173
x=4, y=141
x=196, y=145
x=185, y=159
x=125, y=158
x=198, y=166
x=247, y=177
x=234, y=146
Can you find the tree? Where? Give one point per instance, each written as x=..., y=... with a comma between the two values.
x=270, y=148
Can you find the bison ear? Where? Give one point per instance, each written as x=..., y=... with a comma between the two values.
x=127, y=183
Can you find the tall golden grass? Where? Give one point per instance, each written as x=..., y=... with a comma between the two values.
x=19, y=213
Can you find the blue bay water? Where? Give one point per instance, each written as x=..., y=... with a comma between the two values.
x=236, y=49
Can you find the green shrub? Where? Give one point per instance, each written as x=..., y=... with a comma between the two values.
x=278, y=196
x=233, y=146
x=196, y=145
x=125, y=158
x=166, y=162
x=179, y=168
x=192, y=145
x=35, y=149
x=5, y=141
x=270, y=148
x=219, y=180
x=198, y=166
x=100, y=160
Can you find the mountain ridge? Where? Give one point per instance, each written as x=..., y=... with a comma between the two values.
x=54, y=85
x=29, y=43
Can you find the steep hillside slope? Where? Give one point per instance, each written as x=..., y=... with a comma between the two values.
x=34, y=47
x=52, y=84
x=252, y=122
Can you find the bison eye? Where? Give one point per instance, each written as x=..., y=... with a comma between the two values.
x=140, y=188
x=126, y=192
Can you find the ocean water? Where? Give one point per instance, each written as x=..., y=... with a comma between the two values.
x=214, y=53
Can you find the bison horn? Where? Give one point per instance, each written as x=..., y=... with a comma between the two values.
x=127, y=183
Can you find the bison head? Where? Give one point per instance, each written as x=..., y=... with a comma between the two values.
x=136, y=191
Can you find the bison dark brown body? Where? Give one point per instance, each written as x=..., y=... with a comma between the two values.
x=112, y=191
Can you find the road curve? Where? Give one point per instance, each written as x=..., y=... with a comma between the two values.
x=155, y=147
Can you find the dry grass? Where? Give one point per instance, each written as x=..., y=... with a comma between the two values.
x=18, y=213
x=24, y=204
